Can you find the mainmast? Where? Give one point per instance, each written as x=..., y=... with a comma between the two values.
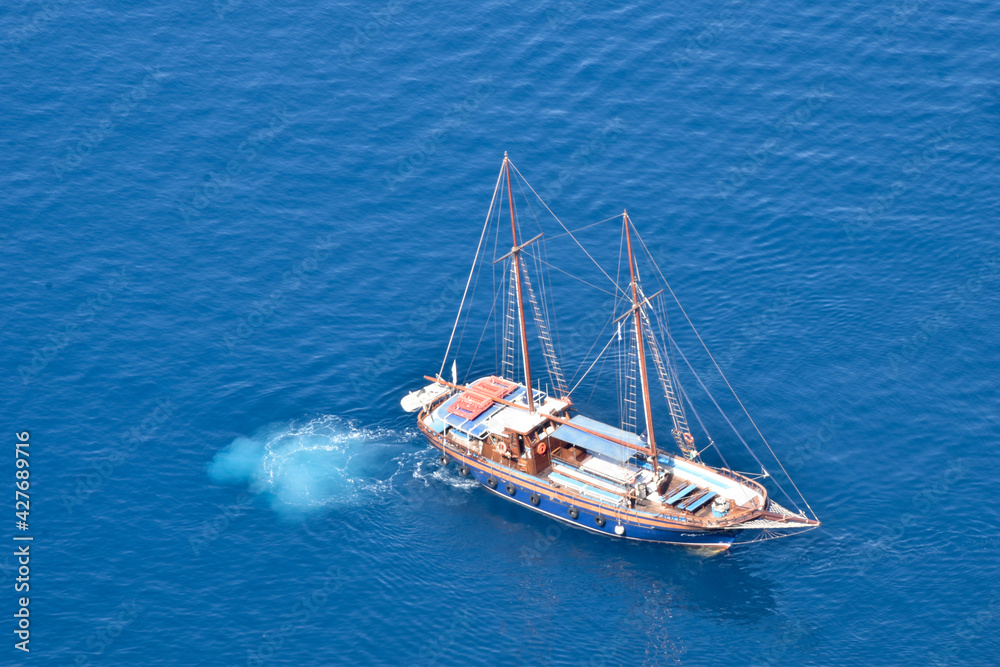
x=516, y=252
x=642, y=351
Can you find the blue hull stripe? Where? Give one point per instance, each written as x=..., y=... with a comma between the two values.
x=587, y=519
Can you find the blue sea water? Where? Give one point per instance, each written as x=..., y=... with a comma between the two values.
x=231, y=232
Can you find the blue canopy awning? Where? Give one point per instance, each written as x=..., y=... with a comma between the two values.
x=595, y=444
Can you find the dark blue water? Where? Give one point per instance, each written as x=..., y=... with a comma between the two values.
x=228, y=231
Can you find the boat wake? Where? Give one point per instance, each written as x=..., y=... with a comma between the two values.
x=424, y=467
x=310, y=466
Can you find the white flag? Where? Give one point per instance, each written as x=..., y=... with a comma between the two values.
x=454, y=372
x=619, y=332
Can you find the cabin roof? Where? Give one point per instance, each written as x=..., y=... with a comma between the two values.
x=524, y=422
x=479, y=426
x=597, y=445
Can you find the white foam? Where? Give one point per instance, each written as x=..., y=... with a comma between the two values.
x=322, y=462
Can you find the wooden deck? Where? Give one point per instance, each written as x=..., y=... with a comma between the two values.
x=609, y=478
x=592, y=479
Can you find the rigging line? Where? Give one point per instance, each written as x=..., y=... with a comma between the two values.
x=544, y=277
x=547, y=276
x=663, y=326
x=726, y=417
x=596, y=381
x=593, y=345
x=518, y=267
x=545, y=292
x=465, y=325
x=485, y=326
x=751, y=475
x=496, y=250
x=475, y=285
x=528, y=203
x=493, y=268
x=718, y=368
x=539, y=310
x=621, y=244
x=551, y=321
x=540, y=274
x=599, y=355
x=489, y=214
x=553, y=266
x=565, y=228
x=619, y=376
x=700, y=422
x=496, y=238
x=778, y=536
x=593, y=224
x=623, y=347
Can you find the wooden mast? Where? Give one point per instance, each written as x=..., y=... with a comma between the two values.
x=642, y=352
x=520, y=303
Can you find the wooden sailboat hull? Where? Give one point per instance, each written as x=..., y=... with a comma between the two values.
x=525, y=445
x=521, y=489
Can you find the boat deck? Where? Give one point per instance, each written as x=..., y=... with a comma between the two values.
x=598, y=479
x=586, y=459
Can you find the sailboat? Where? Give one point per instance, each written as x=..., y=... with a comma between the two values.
x=537, y=449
